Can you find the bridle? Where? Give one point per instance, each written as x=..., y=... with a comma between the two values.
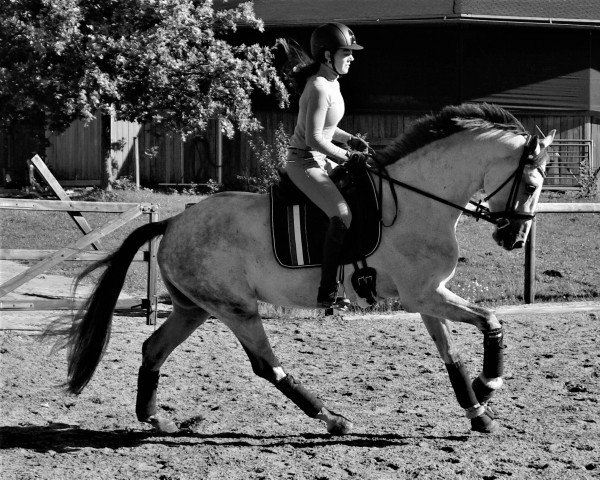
x=500, y=219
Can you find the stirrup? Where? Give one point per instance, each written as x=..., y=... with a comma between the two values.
x=340, y=303
x=330, y=299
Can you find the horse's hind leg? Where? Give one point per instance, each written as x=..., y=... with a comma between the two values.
x=481, y=416
x=250, y=332
x=182, y=321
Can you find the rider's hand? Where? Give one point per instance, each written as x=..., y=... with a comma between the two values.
x=358, y=144
x=356, y=159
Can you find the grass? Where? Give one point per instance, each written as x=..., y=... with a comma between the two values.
x=568, y=248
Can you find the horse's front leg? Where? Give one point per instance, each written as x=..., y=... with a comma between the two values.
x=445, y=304
x=475, y=408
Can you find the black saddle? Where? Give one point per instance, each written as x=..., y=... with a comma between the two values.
x=298, y=226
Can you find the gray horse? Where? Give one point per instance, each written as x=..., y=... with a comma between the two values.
x=216, y=258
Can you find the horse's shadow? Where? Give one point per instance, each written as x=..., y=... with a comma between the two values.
x=64, y=438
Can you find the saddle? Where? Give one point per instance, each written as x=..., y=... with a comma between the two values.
x=298, y=226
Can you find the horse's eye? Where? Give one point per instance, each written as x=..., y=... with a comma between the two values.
x=530, y=189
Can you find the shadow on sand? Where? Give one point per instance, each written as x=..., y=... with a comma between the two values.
x=64, y=438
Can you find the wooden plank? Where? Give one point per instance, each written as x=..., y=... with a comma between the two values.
x=568, y=208
x=124, y=131
x=549, y=308
x=152, y=299
x=89, y=256
x=505, y=310
x=68, y=252
x=77, y=217
x=80, y=183
x=75, y=154
x=62, y=304
x=61, y=206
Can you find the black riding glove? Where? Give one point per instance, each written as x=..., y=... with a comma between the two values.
x=356, y=159
x=358, y=144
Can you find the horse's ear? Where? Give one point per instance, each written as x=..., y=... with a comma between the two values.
x=547, y=141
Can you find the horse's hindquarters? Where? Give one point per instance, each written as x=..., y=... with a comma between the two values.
x=219, y=252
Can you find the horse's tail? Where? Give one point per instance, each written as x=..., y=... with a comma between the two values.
x=88, y=336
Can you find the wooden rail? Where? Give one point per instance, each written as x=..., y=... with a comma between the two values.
x=529, y=288
x=77, y=251
x=36, y=163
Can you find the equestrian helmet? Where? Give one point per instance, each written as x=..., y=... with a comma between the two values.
x=330, y=37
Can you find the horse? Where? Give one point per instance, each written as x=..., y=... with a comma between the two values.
x=216, y=259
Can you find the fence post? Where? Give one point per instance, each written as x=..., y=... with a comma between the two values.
x=136, y=156
x=529, y=290
x=152, y=274
x=219, y=152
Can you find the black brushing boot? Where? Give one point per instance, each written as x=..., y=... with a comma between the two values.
x=332, y=255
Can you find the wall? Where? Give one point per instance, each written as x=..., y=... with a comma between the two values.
x=381, y=129
x=75, y=155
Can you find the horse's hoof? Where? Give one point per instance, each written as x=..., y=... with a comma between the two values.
x=339, y=425
x=484, y=424
x=490, y=412
x=163, y=425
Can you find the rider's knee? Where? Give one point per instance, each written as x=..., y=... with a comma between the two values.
x=346, y=218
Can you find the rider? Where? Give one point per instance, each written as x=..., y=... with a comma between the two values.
x=311, y=153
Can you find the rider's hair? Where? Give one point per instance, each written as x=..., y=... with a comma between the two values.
x=299, y=66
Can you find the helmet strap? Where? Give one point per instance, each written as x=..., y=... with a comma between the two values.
x=331, y=64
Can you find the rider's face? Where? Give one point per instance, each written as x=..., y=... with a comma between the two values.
x=342, y=59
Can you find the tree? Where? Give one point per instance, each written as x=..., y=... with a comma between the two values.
x=175, y=63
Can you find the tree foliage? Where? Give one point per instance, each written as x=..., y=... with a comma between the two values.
x=172, y=62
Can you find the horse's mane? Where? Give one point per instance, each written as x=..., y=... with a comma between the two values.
x=448, y=121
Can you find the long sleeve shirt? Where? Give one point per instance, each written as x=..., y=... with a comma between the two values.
x=321, y=109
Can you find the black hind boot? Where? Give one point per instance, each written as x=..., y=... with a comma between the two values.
x=332, y=256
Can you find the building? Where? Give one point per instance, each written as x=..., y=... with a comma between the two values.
x=541, y=60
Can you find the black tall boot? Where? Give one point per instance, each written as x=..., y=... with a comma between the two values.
x=332, y=256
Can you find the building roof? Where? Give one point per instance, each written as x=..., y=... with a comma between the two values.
x=572, y=13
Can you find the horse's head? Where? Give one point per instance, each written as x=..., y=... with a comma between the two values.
x=515, y=192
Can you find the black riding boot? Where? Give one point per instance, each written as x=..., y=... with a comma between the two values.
x=332, y=256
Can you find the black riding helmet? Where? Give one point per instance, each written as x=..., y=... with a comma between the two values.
x=330, y=37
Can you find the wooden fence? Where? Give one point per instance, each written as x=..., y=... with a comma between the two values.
x=529, y=288
x=77, y=250
x=75, y=156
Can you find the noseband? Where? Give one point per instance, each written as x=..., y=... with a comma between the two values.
x=500, y=219
x=510, y=210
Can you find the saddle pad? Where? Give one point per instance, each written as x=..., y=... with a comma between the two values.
x=298, y=226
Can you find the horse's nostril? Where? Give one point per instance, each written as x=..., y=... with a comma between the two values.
x=518, y=244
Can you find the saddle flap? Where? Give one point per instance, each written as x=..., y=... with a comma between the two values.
x=298, y=226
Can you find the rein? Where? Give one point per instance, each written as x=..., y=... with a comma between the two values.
x=481, y=212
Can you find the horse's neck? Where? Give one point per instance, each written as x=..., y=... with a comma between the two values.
x=452, y=170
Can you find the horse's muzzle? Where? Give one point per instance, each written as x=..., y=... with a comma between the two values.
x=511, y=235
